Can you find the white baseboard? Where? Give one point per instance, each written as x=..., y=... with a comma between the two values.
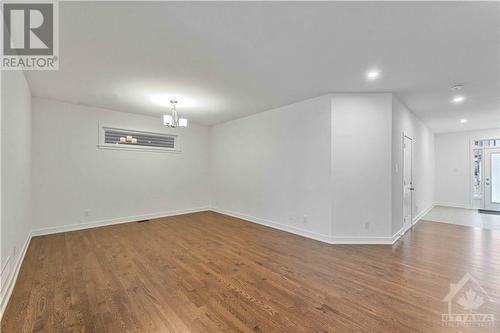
x=453, y=205
x=4, y=275
x=102, y=223
x=417, y=218
x=422, y=214
x=398, y=234
x=275, y=225
x=371, y=240
x=306, y=233
x=7, y=289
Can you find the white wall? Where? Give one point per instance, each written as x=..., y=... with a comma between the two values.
x=274, y=167
x=327, y=158
x=306, y=167
x=361, y=165
x=453, y=166
x=15, y=169
x=71, y=175
x=404, y=121
x=2, y=260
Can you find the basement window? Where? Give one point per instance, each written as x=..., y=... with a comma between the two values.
x=128, y=139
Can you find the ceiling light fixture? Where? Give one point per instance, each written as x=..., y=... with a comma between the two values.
x=463, y=121
x=458, y=99
x=373, y=74
x=172, y=119
x=164, y=99
x=457, y=87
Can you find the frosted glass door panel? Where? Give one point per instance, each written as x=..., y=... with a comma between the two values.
x=495, y=177
x=492, y=179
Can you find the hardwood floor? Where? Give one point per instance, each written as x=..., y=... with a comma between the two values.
x=207, y=272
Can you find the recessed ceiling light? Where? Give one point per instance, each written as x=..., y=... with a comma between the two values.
x=463, y=121
x=373, y=74
x=458, y=99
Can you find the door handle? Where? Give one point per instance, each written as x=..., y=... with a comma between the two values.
x=412, y=189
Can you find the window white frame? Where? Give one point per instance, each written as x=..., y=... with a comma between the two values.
x=103, y=145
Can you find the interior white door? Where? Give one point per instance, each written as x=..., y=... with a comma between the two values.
x=492, y=179
x=407, y=182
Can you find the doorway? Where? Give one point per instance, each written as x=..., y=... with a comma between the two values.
x=492, y=179
x=408, y=187
x=486, y=175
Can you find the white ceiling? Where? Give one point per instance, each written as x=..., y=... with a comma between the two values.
x=228, y=60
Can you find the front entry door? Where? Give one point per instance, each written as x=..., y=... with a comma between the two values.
x=407, y=183
x=492, y=179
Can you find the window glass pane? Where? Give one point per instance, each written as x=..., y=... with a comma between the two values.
x=477, y=173
x=136, y=138
x=495, y=177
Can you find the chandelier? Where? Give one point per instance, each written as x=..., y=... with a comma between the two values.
x=172, y=119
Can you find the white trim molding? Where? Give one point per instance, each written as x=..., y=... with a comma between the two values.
x=453, y=205
x=417, y=218
x=398, y=235
x=127, y=219
x=329, y=239
x=8, y=287
x=370, y=240
x=103, y=145
x=275, y=225
x=422, y=214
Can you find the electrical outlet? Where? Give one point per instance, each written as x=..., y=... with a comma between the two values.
x=86, y=212
x=305, y=219
x=367, y=225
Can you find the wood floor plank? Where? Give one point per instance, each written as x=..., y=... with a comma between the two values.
x=208, y=272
